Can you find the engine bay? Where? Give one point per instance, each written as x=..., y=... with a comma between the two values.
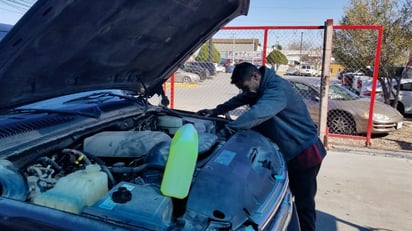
x=115, y=175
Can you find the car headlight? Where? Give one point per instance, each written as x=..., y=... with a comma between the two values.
x=376, y=116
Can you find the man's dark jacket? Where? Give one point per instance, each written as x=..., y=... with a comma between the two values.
x=278, y=112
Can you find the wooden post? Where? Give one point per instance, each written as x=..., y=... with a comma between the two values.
x=325, y=77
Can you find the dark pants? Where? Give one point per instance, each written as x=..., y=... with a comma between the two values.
x=303, y=186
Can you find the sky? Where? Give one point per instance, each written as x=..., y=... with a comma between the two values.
x=261, y=13
x=291, y=13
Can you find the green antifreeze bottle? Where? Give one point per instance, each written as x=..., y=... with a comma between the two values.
x=181, y=163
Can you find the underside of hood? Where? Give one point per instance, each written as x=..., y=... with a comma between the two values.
x=64, y=47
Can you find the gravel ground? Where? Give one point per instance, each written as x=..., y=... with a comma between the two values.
x=399, y=140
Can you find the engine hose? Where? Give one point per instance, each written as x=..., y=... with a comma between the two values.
x=51, y=162
x=81, y=155
x=105, y=169
x=87, y=156
x=140, y=168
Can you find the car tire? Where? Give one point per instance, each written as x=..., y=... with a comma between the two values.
x=186, y=79
x=400, y=108
x=341, y=123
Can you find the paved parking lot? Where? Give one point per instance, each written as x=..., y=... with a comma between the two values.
x=364, y=191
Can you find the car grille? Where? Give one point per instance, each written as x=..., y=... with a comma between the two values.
x=384, y=126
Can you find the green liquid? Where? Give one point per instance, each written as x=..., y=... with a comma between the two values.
x=181, y=163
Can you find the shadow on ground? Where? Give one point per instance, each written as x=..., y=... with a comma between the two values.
x=328, y=222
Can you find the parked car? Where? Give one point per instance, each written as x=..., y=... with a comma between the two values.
x=210, y=66
x=219, y=68
x=182, y=76
x=347, y=112
x=196, y=69
x=351, y=76
x=362, y=84
x=292, y=71
x=407, y=72
x=318, y=73
x=230, y=68
x=81, y=147
x=404, y=105
x=346, y=70
x=307, y=70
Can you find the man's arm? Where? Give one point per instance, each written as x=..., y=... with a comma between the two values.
x=273, y=100
x=234, y=102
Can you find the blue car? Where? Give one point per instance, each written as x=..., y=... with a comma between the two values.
x=82, y=147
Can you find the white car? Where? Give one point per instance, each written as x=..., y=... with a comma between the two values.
x=405, y=97
x=292, y=71
x=219, y=68
x=307, y=70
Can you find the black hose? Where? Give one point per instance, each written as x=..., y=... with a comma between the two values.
x=51, y=162
x=78, y=153
x=87, y=157
x=124, y=169
x=105, y=169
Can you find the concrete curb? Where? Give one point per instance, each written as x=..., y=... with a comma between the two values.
x=371, y=151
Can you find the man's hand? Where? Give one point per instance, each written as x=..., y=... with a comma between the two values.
x=207, y=112
x=225, y=133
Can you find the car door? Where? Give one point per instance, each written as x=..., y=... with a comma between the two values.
x=311, y=98
x=405, y=96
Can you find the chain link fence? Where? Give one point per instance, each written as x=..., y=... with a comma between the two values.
x=295, y=53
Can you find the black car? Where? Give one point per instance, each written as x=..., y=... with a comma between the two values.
x=81, y=147
x=203, y=72
x=208, y=65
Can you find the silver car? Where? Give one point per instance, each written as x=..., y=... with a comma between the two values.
x=347, y=112
x=182, y=76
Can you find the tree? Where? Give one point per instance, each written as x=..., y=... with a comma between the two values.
x=276, y=57
x=297, y=45
x=203, y=55
x=277, y=46
x=356, y=48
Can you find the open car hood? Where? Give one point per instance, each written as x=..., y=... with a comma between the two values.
x=64, y=47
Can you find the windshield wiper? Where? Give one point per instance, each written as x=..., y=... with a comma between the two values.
x=95, y=113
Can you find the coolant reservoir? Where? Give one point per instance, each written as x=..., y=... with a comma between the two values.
x=181, y=163
x=76, y=190
x=170, y=123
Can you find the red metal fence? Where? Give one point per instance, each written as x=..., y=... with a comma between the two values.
x=304, y=47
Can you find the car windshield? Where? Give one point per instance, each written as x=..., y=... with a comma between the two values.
x=2, y=34
x=4, y=29
x=337, y=92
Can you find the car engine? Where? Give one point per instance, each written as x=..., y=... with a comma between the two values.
x=115, y=175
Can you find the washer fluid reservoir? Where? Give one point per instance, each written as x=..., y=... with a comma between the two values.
x=76, y=190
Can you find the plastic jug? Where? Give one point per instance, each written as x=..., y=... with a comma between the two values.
x=181, y=163
x=76, y=190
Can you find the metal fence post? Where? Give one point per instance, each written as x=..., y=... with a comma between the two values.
x=325, y=77
x=265, y=46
